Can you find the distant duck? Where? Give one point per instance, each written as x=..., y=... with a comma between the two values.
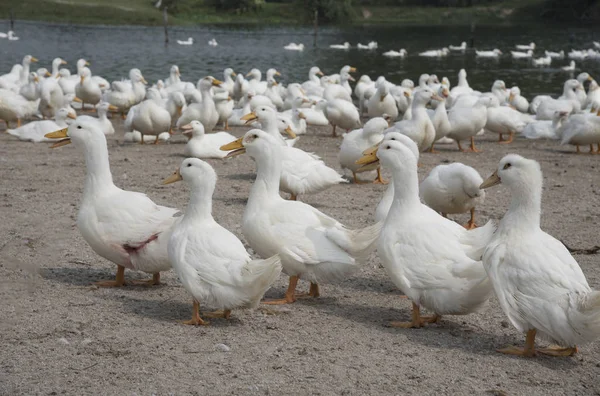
x=344, y=46
x=578, y=54
x=522, y=55
x=495, y=53
x=212, y=42
x=189, y=41
x=544, y=61
x=461, y=47
x=438, y=53
x=596, y=44
x=371, y=46
x=294, y=47
x=555, y=55
x=11, y=36
x=396, y=54
x=571, y=66
x=525, y=47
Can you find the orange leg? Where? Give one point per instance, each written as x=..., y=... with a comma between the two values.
x=356, y=181
x=510, y=138
x=290, y=294
x=118, y=282
x=18, y=123
x=460, y=147
x=592, y=151
x=558, y=351
x=500, y=137
x=150, y=282
x=472, y=147
x=379, y=178
x=196, y=319
x=226, y=127
x=225, y=314
x=432, y=150
x=471, y=224
x=417, y=320
x=578, y=150
x=333, y=132
x=293, y=197
x=527, y=351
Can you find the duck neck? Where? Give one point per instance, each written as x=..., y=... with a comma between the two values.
x=525, y=206
x=200, y=206
x=102, y=114
x=98, y=178
x=269, y=125
x=266, y=185
x=418, y=110
x=406, y=198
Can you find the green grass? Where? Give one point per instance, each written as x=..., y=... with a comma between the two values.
x=189, y=12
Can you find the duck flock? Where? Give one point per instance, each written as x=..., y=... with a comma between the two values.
x=537, y=282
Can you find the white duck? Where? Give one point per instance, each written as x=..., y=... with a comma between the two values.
x=302, y=172
x=539, y=285
x=543, y=61
x=503, y=120
x=453, y=188
x=210, y=261
x=419, y=128
x=30, y=90
x=206, y=111
x=544, y=129
x=340, y=112
x=357, y=141
x=189, y=41
x=396, y=54
x=36, y=130
x=382, y=102
x=223, y=105
x=87, y=90
x=148, y=118
x=522, y=55
x=316, y=114
x=570, y=67
x=580, y=130
x=228, y=82
x=446, y=276
x=466, y=122
x=344, y=46
x=567, y=102
x=312, y=245
x=102, y=121
x=14, y=107
x=461, y=47
x=202, y=145
x=294, y=47
x=519, y=102
x=555, y=55
x=124, y=94
x=525, y=47
x=124, y=227
x=495, y=53
x=254, y=82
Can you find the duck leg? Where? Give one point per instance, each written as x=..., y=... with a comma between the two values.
x=578, y=150
x=417, y=320
x=118, y=282
x=510, y=138
x=290, y=294
x=226, y=126
x=592, y=151
x=149, y=282
x=225, y=314
x=333, y=134
x=527, y=351
x=293, y=197
x=432, y=150
x=156, y=141
x=18, y=123
x=196, y=319
x=356, y=181
x=471, y=223
x=312, y=292
x=123, y=116
x=500, y=137
x=379, y=178
x=460, y=147
x=472, y=147
x=558, y=351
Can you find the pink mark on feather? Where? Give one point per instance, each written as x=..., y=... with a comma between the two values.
x=133, y=249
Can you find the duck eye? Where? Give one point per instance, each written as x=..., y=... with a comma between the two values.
x=388, y=147
x=78, y=126
x=508, y=165
x=255, y=136
x=189, y=165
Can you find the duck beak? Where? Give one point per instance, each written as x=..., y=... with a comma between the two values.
x=34, y=59
x=436, y=97
x=278, y=74
x=63, y=62
x=36, y=79
x=187, y=127
x=71, y=115
x=236, y=148
x=249, y=118
x=319, y=73
x=590, y=78
x=179, y=110
x=110, y=107
x=76, y=99
x=87, y=63
x=47, y=74
x=144, y=81
x=491, y=181
x=175, y=177
x=290, y=133
x=60, y=134
x=511, y=97
x=81, y=79
x=301, y=115
x=352, y=69
x=350, y=78
x=367, y=159
x=233, y=74
x=381, y=98
x=216, y=83
x=249, y=74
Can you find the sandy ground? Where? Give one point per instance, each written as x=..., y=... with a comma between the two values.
x=59, y=335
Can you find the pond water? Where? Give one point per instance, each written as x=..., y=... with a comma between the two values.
x=113, y=50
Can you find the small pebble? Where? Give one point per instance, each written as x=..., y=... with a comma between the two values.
x=504, y=324
x=64, y=341
x=222, y=348
x=86, y=341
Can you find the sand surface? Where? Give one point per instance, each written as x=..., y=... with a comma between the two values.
x=60, y=336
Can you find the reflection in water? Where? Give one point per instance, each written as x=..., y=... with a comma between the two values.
x=112, y=51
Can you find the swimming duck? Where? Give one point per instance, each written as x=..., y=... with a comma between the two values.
x=210, y=261
x=124, y=227
x=312, y=245
x=539, y=285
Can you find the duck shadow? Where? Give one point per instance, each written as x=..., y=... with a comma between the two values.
x=172, y=310
x=448, y=334
x=87, y=276
x=241, y=176
x=233, y=201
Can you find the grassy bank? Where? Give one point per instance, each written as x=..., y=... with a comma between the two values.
x=142, y=12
